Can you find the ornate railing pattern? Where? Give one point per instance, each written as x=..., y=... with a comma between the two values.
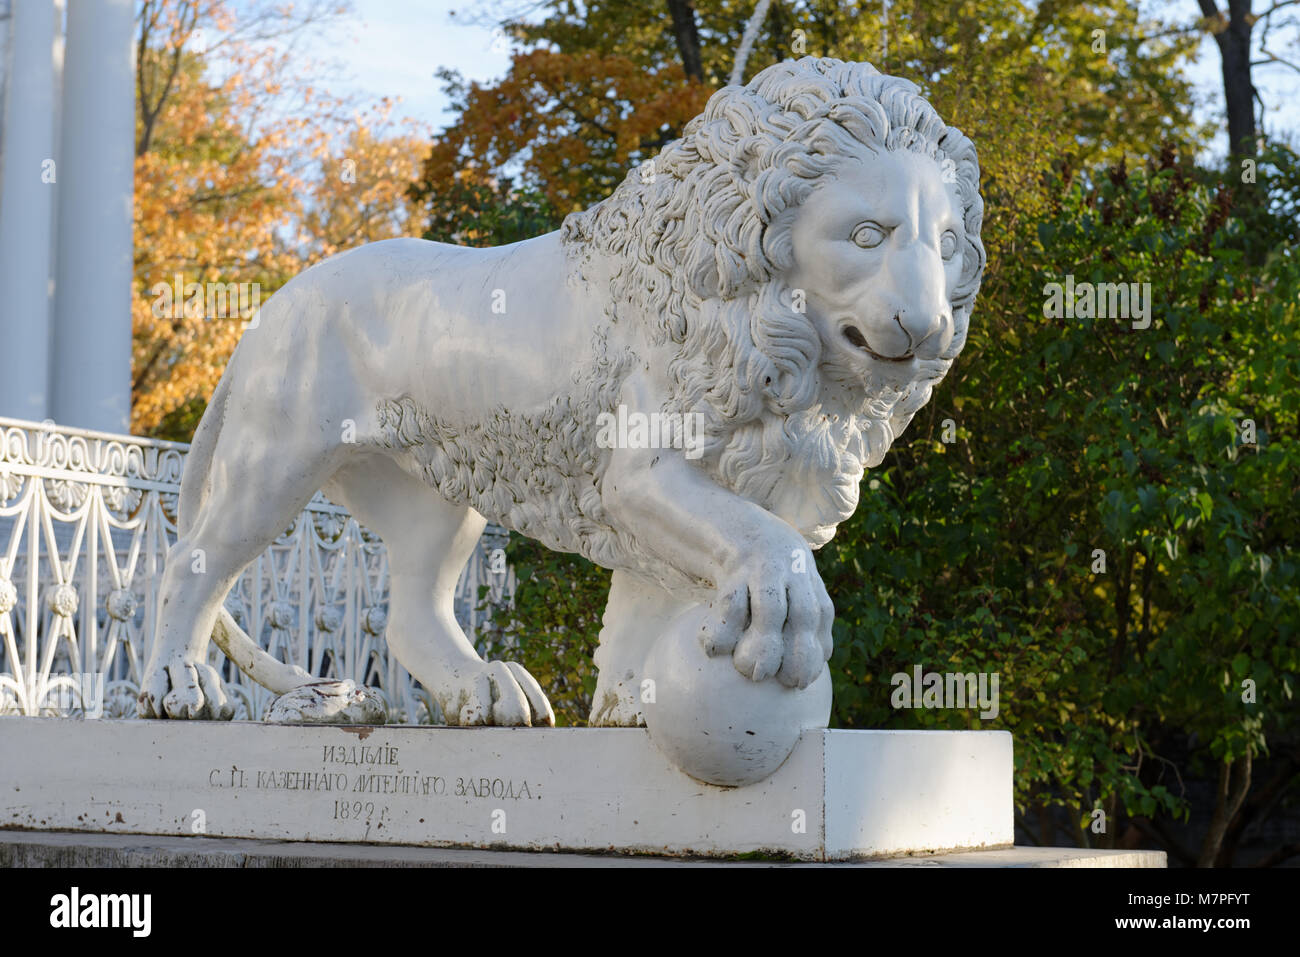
x=86, y=519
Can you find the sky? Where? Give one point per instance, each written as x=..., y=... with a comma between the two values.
x=392, y=48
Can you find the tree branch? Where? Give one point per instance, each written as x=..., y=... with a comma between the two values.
x=149, y=114
x=747, y=42
x=1227, y=802
x=1274, y=59
x=1283, y=853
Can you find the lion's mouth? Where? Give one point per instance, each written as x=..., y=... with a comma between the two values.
x=906, y=357
x=855, y=337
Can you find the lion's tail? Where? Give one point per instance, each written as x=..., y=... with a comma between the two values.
x=248, y=656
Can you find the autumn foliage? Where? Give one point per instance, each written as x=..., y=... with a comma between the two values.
x=576, y=122
x=245, y=173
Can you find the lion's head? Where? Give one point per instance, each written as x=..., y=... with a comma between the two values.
x=810, y=251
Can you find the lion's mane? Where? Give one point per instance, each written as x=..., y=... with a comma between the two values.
x=697, y=251
x=696, y=232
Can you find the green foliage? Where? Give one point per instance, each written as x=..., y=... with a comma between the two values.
x=1074, y=435
x=473, y=213
x=553, y=625
x=180, y=424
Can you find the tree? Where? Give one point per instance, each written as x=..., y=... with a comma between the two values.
x=1098, y=511
x=245, y=173
x=361, y=193
x=478, y=210
x=687, y=32
x=1234, y=34
x=594, y=91
x=1154, y=682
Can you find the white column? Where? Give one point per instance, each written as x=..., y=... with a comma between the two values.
x=6, y=23
x=27, y=211
x=90, y=364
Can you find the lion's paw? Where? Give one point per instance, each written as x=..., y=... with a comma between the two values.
x=617, y=706
x=499, y=693
x=795, y=657
x=773, y=623
x=184, y=689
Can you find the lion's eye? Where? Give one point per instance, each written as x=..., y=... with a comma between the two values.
x=948, y=245
x=869, y=235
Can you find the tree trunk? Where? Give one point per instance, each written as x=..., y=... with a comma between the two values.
x=688, y=37
x=1227, y=802
x=1261, y=804
x=1232, y=34
x=747, y=42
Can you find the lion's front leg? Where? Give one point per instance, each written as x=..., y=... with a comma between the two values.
x=770, y=610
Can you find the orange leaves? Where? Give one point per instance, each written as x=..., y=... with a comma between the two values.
x=576, y=122
x=237, y=182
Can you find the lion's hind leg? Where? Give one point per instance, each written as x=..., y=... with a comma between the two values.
x=256, y=489
x=636, y=616
x=429, y=542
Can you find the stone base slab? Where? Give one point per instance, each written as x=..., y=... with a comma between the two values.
x=65, y=849
x=841, y=794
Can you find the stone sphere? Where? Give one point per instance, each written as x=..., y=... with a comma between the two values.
x=714, y=723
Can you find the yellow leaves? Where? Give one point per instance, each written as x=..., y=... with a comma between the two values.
x=363, y=196
x=235, y=186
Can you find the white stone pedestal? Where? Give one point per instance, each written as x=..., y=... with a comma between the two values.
x=841, y=794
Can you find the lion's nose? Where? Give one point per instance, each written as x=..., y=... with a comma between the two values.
x=928, y=332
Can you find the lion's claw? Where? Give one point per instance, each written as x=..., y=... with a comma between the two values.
x=499, y=693
x=184, y=690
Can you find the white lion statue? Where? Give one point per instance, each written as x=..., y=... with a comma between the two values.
x=684, y=384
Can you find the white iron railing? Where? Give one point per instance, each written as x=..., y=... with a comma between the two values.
x=86, y=519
